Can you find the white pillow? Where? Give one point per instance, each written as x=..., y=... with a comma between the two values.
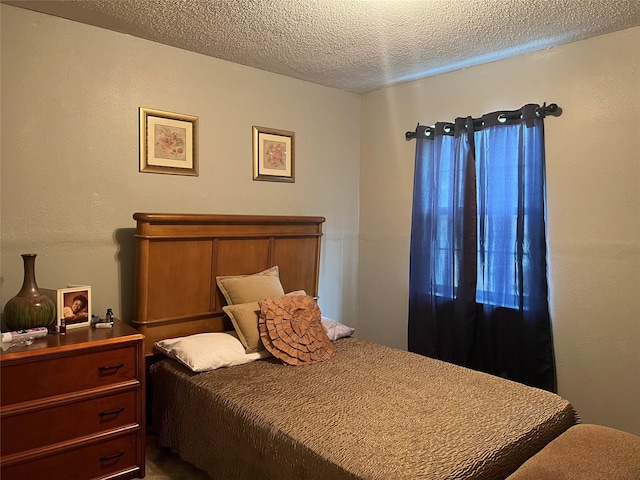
x=336, y=330
x=208, y=351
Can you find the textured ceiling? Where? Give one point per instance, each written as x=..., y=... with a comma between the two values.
x=353, y=45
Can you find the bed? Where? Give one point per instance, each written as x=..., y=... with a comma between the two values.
x=366, y=412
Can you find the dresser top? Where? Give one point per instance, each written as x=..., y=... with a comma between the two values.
x=74, y=339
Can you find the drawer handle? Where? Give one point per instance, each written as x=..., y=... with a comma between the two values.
x=111, y=367
x=112, y=412
x=112, y=457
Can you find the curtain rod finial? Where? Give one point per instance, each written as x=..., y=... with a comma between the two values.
x=551, y=109
x=410, y=135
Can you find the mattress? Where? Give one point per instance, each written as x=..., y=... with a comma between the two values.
x=371, y=412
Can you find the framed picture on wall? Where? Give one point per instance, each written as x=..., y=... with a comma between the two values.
x=73, y=304
x=273, y=155
x=168, y=142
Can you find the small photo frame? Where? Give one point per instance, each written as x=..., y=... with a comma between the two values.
x=168, y=142
x=73, y=304
x=273, y=155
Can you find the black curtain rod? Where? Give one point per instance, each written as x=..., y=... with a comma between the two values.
x=543, y=111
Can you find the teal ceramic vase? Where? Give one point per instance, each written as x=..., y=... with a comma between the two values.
x=30, y=308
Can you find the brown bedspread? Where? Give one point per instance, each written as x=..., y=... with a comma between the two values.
x=371, y=412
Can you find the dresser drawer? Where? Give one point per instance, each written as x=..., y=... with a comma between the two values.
x=47, y=377
x=80, y=418
x=94, y=461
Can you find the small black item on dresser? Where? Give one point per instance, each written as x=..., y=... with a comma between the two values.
x=109, y=315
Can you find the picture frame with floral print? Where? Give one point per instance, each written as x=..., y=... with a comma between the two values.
x=168, y=142
x=273, y=155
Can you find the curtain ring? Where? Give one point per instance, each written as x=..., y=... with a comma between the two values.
x=447, y=128
x=502, y=118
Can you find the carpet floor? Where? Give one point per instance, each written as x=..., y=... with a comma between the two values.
x=164, y=465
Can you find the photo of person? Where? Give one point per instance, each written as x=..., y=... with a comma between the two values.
x=73, y=305
x=76, y=309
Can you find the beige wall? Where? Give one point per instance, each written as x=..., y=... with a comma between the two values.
x=70, y=182
x=593, y=174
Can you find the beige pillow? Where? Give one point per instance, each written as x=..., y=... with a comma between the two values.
x=245, y=321
x=245, y=317
x=251, y=288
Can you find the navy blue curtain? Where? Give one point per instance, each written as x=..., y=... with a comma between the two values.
x=478, y=293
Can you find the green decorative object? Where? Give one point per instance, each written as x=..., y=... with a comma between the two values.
x=30, y=308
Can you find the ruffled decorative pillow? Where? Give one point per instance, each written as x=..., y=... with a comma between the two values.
x=291, y=330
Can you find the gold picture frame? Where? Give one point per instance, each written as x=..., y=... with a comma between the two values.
x=273, y=155
x=168, y=142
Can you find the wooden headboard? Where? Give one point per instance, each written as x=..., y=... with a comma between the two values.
x=179, y=256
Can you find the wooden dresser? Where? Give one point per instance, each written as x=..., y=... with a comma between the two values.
x=72, y=406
